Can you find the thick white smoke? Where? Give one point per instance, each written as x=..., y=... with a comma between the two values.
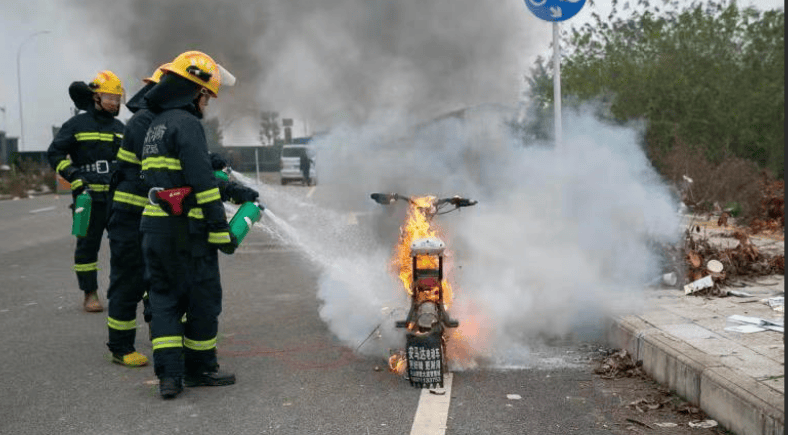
x=559, y=239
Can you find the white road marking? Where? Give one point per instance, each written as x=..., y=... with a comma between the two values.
x=39, y=210
x=433, y=410
x=311, y=191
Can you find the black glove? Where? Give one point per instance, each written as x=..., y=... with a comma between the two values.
x=229, y=248
x=218, y=162
x=248, y=195
x=81, y=188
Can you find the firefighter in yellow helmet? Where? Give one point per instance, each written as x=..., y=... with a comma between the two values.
x=83, y=152
x=183, y=226
x=127, y=282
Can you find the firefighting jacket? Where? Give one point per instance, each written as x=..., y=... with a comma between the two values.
x=131, y=195
x=91, y=140
x=174, y=155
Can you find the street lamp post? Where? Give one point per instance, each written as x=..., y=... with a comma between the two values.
x=19, y=87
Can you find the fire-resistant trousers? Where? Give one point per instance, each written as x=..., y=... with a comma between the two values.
x=182, y=283
x=127, y=280
x=86, y=253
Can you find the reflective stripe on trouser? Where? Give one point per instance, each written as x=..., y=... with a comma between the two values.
x=182, y=284
x=126, y=278
x=86, y=252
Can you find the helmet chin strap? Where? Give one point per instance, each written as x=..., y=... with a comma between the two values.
x=196, y=103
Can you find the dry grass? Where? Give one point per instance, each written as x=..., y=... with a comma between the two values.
x=714, y=187
x=28, y=177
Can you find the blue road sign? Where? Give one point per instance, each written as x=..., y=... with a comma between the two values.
x=555, y=10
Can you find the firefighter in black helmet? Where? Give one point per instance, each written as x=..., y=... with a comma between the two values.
x=127, y=282
x=83, y=153
x=183, y=226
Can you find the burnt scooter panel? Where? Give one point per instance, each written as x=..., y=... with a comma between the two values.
x=425, y=359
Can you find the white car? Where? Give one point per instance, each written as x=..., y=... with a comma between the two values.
x=290, y=163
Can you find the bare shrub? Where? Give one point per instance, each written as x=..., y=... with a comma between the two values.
x=732, y=181
x=26, y=177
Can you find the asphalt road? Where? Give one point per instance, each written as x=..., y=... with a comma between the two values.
x=294, y=377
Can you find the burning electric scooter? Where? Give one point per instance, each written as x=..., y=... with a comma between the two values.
x=420, y=262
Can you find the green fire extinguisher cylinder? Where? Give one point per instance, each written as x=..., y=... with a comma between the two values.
x=221, y=175
x=81, y=218
x=242, y=221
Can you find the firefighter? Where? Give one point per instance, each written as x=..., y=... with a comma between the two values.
x=183, y=226
x=127, y=282
x=83, y=153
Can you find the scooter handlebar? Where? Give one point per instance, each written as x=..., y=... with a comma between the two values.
x=387, y=198
x=462, y=202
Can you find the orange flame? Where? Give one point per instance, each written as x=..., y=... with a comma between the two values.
x=398, y=363
x=417, y=226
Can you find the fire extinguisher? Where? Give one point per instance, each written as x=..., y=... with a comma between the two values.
x=242, y=221
x=81, y=216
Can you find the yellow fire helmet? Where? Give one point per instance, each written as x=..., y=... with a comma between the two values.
x=156, y=76
x=199, y=68
x=106, y=82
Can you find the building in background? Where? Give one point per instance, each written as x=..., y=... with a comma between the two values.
x=9, y=146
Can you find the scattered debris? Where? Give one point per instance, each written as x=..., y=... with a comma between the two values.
x=700, y=284
x=670, y=279
x=739, y=294
x=723, y=220
x=776, y=303
x=714, y=266
x=723, y=265
x=747, y=324
x=686, y=408
x=704, y=424
x=745, y=329
x=632, y=420
x=644, y=405
x=619, y=365
x=666, y=424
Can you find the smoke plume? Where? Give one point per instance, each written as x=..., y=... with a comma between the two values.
x=337, y=61
x=559, y=239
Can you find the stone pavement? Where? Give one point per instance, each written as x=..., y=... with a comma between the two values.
x=737, y=378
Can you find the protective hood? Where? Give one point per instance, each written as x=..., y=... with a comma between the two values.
x=173, y=92
x=137, y=101
x=101, y=116
x=81, y=95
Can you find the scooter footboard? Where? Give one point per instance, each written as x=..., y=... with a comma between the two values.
x=425, y=360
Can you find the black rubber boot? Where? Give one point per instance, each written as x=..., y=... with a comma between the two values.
x=170, y=387
x=209, y=379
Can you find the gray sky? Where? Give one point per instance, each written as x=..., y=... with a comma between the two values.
x=304, y=60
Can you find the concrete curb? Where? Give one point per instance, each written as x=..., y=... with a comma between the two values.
x=738, y=403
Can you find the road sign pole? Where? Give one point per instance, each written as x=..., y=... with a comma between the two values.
x=557, y=84
x=556, y=11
